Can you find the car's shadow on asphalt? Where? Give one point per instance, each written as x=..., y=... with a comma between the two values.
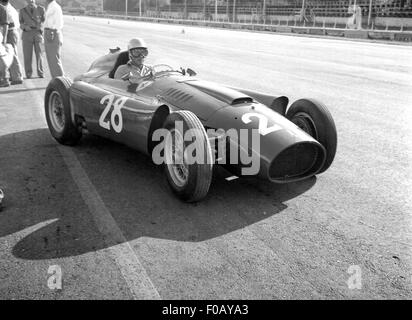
x=48, y=217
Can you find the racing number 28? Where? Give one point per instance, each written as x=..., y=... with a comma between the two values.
x=116, y=119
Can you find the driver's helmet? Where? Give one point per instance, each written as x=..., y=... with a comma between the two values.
x=137, y=50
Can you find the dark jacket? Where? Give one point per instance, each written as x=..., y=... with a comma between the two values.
x=32, y=20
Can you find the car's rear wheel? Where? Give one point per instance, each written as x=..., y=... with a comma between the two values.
x=189, y=175
x=316, y=120
x=58, y=112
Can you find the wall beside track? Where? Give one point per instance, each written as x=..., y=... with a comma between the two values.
x=331, y=27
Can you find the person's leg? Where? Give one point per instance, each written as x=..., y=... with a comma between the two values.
x=27, y=41
x=48, y=53
x=16, y=76
x=15, y=68
x=59, y=64
x=15, y=71
x=48, y=47
x=3, y=70
x=53, y=54
x=5, y=63
x=38, y=39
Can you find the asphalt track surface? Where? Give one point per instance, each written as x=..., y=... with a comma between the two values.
x=104, y=214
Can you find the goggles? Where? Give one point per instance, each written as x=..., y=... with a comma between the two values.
x=139, y=52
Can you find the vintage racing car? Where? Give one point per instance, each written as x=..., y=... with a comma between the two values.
x=293, y=143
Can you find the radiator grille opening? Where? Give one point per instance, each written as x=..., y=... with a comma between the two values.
x=296, y=161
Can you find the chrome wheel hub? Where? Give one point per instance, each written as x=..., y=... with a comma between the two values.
x=56, y=112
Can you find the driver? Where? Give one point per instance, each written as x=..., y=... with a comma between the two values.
x=135, y=67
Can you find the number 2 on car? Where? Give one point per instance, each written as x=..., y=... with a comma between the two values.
x=263, y=123
x=116, y=119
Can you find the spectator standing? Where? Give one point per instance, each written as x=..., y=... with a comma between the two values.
x=10, y=36
x=4, y=28
x=53, y=37
x=358, y=17
x=355, y=20
x=31, y=19
x=6, y=59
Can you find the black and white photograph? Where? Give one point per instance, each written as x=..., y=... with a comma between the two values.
x=205, y=150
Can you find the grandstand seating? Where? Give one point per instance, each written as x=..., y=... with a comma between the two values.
x=395, y=8
x=318, y=8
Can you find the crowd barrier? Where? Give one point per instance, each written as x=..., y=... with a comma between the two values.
x=277, y=26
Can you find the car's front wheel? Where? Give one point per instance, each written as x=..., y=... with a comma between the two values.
x=58, y=112
x=315, y=119
x=188, y=156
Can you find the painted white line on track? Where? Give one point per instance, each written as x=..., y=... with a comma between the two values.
x=20, y=235
x=135, y=275
x=38, y=100
x=125, y=256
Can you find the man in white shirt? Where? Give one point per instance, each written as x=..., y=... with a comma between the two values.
x=53, y=37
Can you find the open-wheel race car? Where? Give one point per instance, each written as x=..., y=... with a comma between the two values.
x=280, y=143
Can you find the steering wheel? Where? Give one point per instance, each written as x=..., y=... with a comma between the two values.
x=169, y=68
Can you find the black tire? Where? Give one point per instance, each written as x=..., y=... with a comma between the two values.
x=314, y=118
x=58, y=112
x=197, y=176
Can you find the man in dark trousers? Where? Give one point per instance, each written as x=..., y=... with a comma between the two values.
x=31, y=19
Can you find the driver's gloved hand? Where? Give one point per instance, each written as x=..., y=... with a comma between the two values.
x=127, y=76
x=135, y=78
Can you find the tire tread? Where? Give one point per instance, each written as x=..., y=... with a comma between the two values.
x=321, y=111
x=71, y=134
x=204, y=172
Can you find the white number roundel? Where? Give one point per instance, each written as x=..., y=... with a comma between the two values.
x=116, y=118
